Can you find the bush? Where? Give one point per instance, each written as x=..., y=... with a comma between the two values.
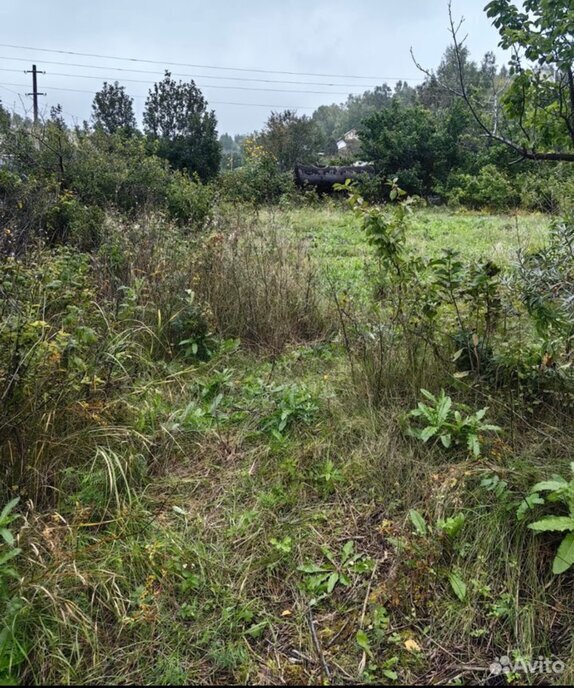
x=548, y=189
x=189, y=202
x=59, y=183
x=68, y=221
x=490, y=189
x=24, y=203
x=373, y=189
x=258, y=182
x=117, y=170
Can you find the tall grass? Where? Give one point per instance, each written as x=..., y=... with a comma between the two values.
x=263, y=287
x=176, y=489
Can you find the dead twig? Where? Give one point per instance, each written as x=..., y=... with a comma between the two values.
x=317, y=644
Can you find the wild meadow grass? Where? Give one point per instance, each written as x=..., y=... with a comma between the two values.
x=229, y=502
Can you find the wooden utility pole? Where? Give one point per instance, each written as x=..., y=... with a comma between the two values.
x=35, y=93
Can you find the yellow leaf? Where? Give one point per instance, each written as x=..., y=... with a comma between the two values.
x=412, y=646
x=287, y=613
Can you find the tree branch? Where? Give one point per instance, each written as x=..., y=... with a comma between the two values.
x=525, y=152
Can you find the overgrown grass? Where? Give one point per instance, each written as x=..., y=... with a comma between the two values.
x=207, y=486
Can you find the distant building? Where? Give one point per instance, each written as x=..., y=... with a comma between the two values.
x=349, y=143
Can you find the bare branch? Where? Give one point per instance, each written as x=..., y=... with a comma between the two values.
x=526, y=153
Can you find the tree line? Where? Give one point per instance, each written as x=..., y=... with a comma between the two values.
x=467, y=128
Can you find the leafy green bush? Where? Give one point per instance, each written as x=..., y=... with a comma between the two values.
x=258, y=182
x=71, y=222
x=547, y=189
x=24, y=205
x=116, y=171
x=189, y=202
x=491, y=189
x=60, y=183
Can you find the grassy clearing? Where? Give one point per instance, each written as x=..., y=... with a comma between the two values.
x=336, y=239
x=246, y=518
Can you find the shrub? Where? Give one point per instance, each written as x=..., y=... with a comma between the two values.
x=547, y=189
x=491, y=189
x=189, y=202
x=258, y=182
x=24, y=204
x=71, y=222
x=60, y=182
x=117, y=170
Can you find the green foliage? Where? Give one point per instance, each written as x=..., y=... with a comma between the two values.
x=76, y=329
x=385, y=228
x=557, y=491
x=258, y=182
x=176, y=116
x=117, y=171
x=491, y=188
x=12, y=652
x=413, y=144
x=452, y=525
x=328, y=476
x=189, y=202
x=289, y=139
x=547, y=189
x=453, y=427
x=68, y=221
x=321, y=580
x=458, y=586
x=113, y=110
x=293, y=405
x=58, y=189
x=284, y=546
x=541, y=95
x=418, y=522
x=547, y=278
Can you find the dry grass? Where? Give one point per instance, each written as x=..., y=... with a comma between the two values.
x=263, y=287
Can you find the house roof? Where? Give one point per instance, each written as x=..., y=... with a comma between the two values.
x=351, y=135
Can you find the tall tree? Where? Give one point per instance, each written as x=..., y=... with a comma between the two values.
x=176, y=116
x=112, y=109
x=416, y=145
x=291, y=138
x=536, y=117
x=4, y=117
x=541, y=98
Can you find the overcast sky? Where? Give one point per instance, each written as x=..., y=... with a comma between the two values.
x=369, y=38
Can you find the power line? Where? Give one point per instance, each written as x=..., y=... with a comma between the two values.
x=226, y=88
x=214, y=102
x=15, y=107
x=10, y=90
x=190, y=76
x=198, y=66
